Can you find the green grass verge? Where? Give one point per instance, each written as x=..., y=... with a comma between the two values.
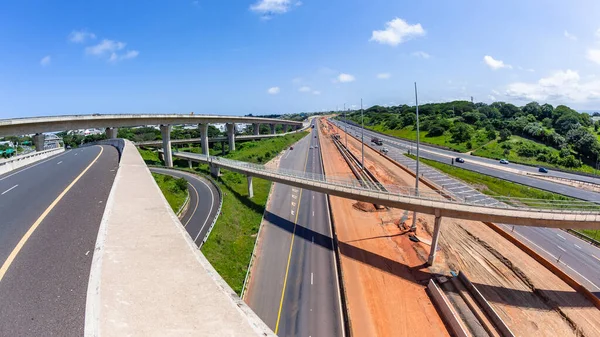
x=231, y=242
x=494, y=186
x=479, y=139
x=494, y=150
x=175, y=190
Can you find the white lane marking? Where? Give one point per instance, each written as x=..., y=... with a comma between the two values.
x=595, y=257
x=295, y=190
x=554, y=257
x=311, y=279
x=313, y=213
x=60, y=162
x=292, y=212
x=561, y=248
x=560, y=236
x=577, y=246
x=313, y=197
x=34, y=165
x=8, y=190
x=293, y=203
x=75, y=153
x=294, y=196
x=212, y=203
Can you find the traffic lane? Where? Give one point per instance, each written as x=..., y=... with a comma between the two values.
x=44, y=289
x=486, y=161
x=312, y=308
x=267, y=276
x=33, y=190
x=203, y=204
x=577, y=259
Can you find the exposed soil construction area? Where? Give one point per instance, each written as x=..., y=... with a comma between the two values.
x=385, y=274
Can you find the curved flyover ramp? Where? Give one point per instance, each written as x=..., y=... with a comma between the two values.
x=148, y=278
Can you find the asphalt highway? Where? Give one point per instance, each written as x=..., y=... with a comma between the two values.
x=294, y=285
x=576, y=257
x=484, y=166
x=50, y=215
x=203, y=204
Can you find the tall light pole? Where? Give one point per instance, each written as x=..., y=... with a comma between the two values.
x=362, y=134
x=414, y=222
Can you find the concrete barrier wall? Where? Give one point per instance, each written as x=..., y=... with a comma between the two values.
x=485, y=305
x=148, y=278
x=30, y=158
x=448, y=314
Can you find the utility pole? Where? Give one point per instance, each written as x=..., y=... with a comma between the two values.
x=362, y=134
x=414, y=222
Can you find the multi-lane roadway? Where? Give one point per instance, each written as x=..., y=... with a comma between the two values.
x=293, y=285
x=50, y=213
x=574, y=256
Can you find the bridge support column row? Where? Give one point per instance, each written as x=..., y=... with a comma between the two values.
x=204, y=138
x=111, y=133
x=250, y=188
x=256, y=129
x=190, y=164
x=436, y=237
x=272, y=128
x=38, y=141
x=285, y=128
x=165, y=131
x=231, y=136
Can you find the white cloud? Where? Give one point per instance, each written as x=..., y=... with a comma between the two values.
x=297, y=80
x=384, y=76
x=105, y=47
x=495, y=64
x=304, y=89
x=570, y=36
x=80, y=36
x=344, y=78
x=273, y=91
x=563, y=86
x=270, y=7
x=593, y=55
x=421, y=54
x=45, y=60
x=316, y=92
x=396, y=32
x=110, y=49
x=492, y=98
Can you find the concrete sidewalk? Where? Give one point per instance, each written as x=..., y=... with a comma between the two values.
x=147, y=276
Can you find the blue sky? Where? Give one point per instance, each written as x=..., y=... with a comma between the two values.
x=279, y=56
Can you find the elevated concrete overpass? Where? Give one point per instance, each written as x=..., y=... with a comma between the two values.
x=536, y=213
x=155, y=143
x=39, y=125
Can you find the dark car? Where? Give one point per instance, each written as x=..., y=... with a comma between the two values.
x=543, y=170
x=291, y=147
x=459, y=160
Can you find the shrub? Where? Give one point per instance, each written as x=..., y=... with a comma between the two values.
x=181, y=184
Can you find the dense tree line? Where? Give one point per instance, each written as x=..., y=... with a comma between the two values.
x=561, y=127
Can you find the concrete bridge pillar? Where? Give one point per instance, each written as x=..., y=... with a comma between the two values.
x=204, y=138
x=231, y=136
x=272, y=128
x=215, y=170
x=436, y=237
x=38, y=141
x=223, y=148
x=256, y=128
x=285, y=128
x=165, y=131
x=111, y=133
x=250, y=189
x=190, y=163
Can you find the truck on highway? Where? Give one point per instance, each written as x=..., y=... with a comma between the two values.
x=376, y=141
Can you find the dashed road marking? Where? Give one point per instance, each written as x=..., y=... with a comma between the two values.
x=8, y=190
x=60, y=162
x=561, y=248
x=311, y=279
x=560, y=236
x=577, y=246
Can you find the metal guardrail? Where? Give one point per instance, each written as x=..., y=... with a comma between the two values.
x=29, y=155
x=539, y=205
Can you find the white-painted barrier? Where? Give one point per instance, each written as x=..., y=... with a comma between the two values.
x=14, y=163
